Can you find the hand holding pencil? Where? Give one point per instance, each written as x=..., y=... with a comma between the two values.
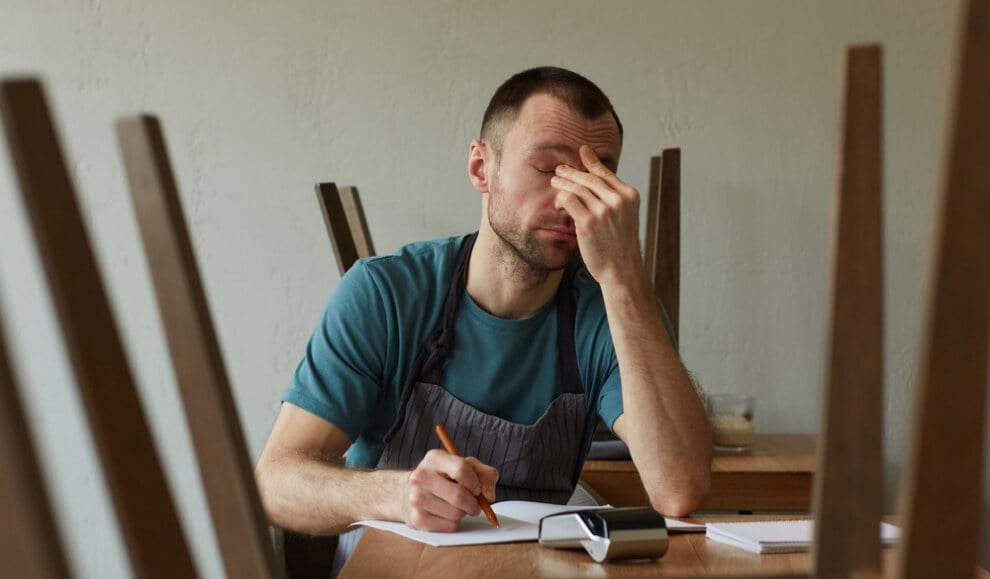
x=441, y=490
x=448, y=444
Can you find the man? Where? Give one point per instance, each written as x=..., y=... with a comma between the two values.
x=514, y=339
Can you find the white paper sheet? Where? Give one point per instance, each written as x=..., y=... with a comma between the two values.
x=779, y=536
x=518, y=521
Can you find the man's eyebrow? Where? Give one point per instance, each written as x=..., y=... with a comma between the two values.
x=607, y=160
x=558, y=147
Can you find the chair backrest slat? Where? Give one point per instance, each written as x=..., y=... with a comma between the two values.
x=848, y=483
x=145, y=511
x=224, y=465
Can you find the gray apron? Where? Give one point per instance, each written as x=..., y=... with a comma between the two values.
x=536, y=462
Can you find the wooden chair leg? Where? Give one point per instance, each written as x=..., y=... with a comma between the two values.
x=943, y=480
x=356, y=220
x=667, y=270
x=663, y=232
x=848, y=483
x=652, y=216
x=338, y=228
x=29, y=544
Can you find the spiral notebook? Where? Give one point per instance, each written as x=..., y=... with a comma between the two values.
x=779, y=536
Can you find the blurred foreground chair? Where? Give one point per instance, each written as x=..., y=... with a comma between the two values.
x=940, y=498
x=848, y=494
x=145, y=512
x=941, y=494
x=30, y=547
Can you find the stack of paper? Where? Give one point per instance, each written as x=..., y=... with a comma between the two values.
x=779, y=536
x=519, y=521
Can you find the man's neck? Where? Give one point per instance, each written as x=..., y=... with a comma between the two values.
x=504, y=285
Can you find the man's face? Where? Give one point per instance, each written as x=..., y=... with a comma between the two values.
x=521, y=206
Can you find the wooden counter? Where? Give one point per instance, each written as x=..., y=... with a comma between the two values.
x=776, y=476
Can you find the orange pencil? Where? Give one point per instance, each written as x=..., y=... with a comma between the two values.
x=449, y=445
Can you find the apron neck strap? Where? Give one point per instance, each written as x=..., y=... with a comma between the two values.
x=440, y=342
x=428, y=365
x=567, y=366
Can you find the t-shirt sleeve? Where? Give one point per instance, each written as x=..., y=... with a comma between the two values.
x=610, y=405
x=610, y=399
x=339, y=378
x=606, y=368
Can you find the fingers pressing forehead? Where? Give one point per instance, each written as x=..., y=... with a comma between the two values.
x=593, y=163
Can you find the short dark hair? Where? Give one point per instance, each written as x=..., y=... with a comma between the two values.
x=578, y=92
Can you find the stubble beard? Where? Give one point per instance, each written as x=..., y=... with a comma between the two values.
x=535, y=256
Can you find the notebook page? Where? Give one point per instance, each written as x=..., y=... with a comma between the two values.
x=518, y=521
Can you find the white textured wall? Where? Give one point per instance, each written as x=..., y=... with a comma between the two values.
x=262, y=99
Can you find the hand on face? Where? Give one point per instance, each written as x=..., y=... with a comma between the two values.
x=606, y=216
x=444, y=488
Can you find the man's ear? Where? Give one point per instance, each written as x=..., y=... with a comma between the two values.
x=480, y=160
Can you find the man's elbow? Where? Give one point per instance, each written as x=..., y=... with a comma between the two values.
x=262, y=479
x=266, y=479
x=682, y=499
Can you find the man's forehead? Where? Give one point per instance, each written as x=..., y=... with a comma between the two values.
x=546, y=123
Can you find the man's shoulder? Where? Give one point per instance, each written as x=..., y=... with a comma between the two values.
x=420, y=253
x=433, y=248
x=422, y=262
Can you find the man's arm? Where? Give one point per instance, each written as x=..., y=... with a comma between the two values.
x=304, y=486
x=664, y=421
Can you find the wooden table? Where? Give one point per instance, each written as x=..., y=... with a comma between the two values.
x=387, y=555
x=776, y=476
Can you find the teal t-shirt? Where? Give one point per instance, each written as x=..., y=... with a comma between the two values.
x=384, y=307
